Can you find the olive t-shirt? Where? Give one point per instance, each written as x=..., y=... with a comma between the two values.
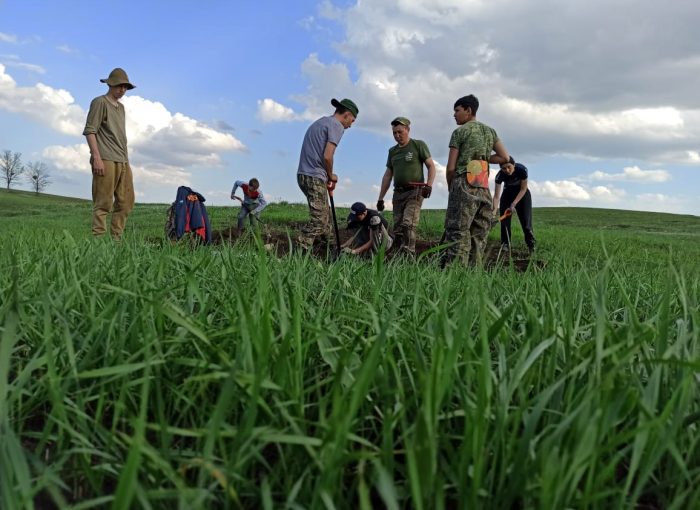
x=107, y=122
x=407, y=162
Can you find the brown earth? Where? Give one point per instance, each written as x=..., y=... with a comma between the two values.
x=281, y=242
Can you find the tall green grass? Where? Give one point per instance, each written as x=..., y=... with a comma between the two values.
x=142, y=375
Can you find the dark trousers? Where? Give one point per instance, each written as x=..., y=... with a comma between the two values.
x=524, y=210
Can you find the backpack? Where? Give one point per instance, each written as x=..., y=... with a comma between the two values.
x=188, y=215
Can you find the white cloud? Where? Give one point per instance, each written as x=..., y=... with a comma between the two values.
x=270, y=110
x=16, y=61
x=607, y=194
x=76, y=159
x=162, y=145
x=658, y=198
x=560, y=190
x=64, y=48
x=71, y=158
x=633, y=174
x=8, y=38
x=54, y=108
x=545, y=98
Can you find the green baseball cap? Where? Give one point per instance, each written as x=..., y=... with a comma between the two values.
x=346, y=103
x=401, y=120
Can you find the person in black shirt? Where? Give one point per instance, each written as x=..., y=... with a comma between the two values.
x=515, y=197
x=370, y=230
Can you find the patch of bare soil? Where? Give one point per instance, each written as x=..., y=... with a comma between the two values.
x=281, y=242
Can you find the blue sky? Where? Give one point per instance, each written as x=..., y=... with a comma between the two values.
x=602, y=114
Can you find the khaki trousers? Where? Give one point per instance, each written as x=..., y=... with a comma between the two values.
x=112, y=192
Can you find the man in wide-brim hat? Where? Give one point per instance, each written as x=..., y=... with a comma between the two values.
x=112, y=181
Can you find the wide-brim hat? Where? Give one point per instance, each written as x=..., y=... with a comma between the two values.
x=346, y=103
x=118, y=77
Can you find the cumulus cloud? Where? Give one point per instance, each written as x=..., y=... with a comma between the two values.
x=64, y=48
x=634, y=174
x=16, y=61
x=560, y=190
x=654, y=197
x=270, y=110
x=46, y=105
x=8, y=38
x=554, y=95
x=164, y=147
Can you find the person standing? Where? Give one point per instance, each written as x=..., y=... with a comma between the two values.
x=112, y=181
x=404, y=166
x=252, y=203
x=315, y=172
x=516, y=198
x=469, y=205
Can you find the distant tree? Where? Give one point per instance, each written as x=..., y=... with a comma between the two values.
x=10, y=167
x=37, y=175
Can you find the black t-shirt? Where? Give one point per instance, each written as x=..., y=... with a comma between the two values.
x=353, y=222
x=519, y=174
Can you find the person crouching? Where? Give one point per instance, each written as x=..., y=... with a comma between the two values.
x=369, y=231
x=252, y=203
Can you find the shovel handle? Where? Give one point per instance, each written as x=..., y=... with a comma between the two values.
x=505, y=215
x=331, y=186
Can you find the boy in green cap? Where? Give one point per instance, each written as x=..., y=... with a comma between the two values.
x=315, y=172
x=112, y=181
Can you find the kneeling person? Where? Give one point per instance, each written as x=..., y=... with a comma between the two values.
x=369, y=231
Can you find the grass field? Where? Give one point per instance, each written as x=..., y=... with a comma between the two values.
x=156, y=376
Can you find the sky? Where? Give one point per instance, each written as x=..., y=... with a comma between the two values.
x=598, y=98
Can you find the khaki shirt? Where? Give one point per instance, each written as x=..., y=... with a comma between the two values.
x=106, y=121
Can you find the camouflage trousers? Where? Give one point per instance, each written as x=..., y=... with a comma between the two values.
x=319, y=224
x=467, y=223
x=406, y=216
x=379, y=236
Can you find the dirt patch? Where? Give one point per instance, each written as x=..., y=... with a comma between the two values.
x=281, y=242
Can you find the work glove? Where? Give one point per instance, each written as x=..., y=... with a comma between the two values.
x=380, y=205
x=426, y=190
x=347, y=251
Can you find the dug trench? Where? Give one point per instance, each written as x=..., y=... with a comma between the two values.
x=281, y=242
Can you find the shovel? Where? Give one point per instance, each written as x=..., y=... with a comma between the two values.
x=331, y=188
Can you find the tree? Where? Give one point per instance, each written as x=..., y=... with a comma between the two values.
x=37, y=174
x=10, y=167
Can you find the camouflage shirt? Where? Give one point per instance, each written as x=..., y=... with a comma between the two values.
x=473, y=140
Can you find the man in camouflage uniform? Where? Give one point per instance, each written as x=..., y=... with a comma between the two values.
x=405, y=166
x=469, y=206
x=315, y=173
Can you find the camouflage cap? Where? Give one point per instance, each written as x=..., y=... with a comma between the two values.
x=401, y=120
